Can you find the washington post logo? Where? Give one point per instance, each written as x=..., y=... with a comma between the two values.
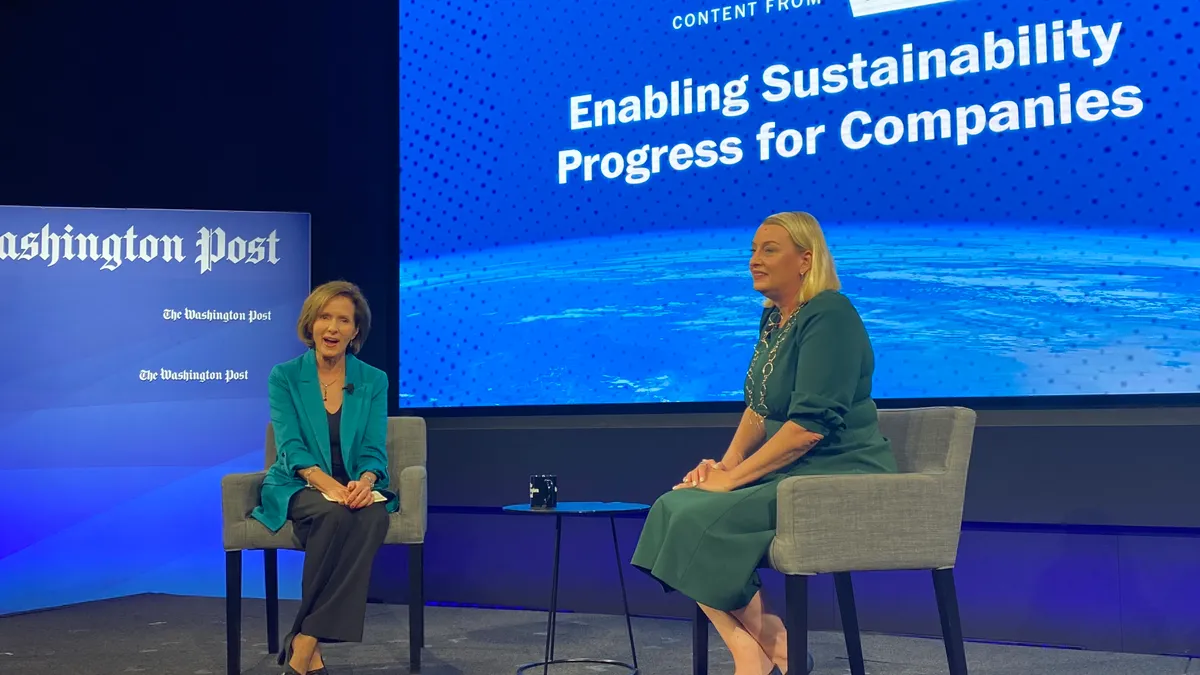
x=861, y=8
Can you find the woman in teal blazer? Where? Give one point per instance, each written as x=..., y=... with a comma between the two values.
x=330, y=477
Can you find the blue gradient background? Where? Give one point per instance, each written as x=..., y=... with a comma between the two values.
x=1049, y=261
x=113, y=484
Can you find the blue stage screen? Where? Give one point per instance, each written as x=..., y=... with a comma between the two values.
x=139, y=347
x=1008, y=190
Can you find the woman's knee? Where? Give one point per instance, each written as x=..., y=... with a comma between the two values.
x=677, y=502
x=374, y=518
x=668, y=501
x=336, y=516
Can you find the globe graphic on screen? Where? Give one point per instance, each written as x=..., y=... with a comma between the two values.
x=1003, y=310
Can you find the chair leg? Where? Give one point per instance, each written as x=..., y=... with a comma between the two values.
x=947, y=601
x=271, y=583
x=416, y=605
x=700, y=642
x=849, y=612
x=796, y=619
x=233, y=612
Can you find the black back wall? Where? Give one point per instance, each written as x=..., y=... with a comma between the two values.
x=270, y=106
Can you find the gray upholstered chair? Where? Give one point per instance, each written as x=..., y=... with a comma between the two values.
x=855, y=523
x=240, y=495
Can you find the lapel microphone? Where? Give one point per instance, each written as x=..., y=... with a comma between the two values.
x=349, y=388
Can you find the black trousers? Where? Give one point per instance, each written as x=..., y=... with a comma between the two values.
x=339, y=548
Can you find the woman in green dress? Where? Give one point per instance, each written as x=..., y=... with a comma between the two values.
x=808, y=411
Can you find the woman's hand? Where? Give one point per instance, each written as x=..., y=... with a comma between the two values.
x=700, y=474
x=716, y=479
x=359, y=492
x=719, y=480
x=332, y=489
x=324, y=483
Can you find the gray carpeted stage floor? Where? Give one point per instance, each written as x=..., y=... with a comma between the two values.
x=169, y=635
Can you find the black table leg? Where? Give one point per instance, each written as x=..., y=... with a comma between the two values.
x=624, y=597
x=550, y=621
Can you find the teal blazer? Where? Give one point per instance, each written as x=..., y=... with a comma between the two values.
x=301, y=428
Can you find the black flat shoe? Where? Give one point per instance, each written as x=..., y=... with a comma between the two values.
x=285, y=654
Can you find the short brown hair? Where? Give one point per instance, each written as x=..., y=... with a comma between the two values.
x=323, y=294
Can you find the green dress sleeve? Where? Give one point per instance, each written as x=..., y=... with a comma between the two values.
x=828, y=368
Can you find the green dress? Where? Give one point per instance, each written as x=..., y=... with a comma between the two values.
x=814, y=371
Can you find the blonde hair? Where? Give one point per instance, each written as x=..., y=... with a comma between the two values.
x=806, y=234
x=323, y=294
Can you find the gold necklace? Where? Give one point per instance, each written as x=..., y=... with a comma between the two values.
x=325, y=388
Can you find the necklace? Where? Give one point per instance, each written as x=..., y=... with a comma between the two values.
x=325, y=388
x=760, y=409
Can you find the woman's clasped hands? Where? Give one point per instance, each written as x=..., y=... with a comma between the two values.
x=359, y=493
x=356, y=494
x=709, y=475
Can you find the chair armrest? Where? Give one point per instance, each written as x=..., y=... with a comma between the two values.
x=414, y=498
x=240, y=494
x=852, y=522
x=406, y=444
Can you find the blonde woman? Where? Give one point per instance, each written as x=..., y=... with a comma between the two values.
x=808, y=411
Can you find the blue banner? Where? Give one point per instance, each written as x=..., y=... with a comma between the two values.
x=141, y=342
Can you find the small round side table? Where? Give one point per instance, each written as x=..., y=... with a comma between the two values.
x=583, y=509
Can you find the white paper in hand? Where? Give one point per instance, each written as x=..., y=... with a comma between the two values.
x=376, y=497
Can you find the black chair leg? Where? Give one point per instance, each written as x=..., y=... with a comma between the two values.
x=952, y=636
x=233, y=612
x=700, y=642
x=271, y=583
x=849, y=612
x=796, y=619
x=416, y=605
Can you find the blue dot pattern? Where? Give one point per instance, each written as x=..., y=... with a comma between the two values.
x=1045, y=261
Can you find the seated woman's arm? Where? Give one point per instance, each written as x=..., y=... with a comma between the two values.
x=373, y=462
x=296, y=457
x=827, y=374
x=748, y=436
x=372, y=454
x=786, y=446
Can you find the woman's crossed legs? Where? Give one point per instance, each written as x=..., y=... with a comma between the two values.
x=756, y=638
